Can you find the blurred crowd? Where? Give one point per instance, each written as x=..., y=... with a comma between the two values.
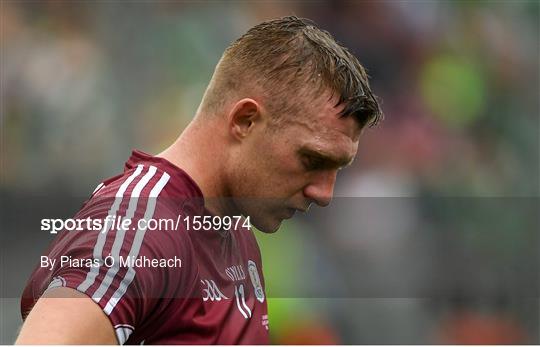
x=432, y=235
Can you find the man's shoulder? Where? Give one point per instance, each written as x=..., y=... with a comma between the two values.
x=147, y=179
x=146, y=201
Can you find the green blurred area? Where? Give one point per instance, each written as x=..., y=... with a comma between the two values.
x=454, y=91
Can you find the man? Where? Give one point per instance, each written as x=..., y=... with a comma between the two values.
x=282, y=114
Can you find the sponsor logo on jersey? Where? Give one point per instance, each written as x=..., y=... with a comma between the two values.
x=211, y=291
x=235, y=272
x=256, y=280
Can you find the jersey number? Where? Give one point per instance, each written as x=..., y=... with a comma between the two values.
x=241, y=301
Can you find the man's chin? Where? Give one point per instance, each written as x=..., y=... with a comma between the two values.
x=268, y=226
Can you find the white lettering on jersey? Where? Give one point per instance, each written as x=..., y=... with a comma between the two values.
x=265, y=321
x=235, y=272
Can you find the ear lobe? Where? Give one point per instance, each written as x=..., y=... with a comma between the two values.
x=243, y=116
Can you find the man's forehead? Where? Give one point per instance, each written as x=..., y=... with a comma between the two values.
x=330, y=140
x=321, y=129
x=325, y=112
x=337, y=158
x=333, y=126
x=338, y=147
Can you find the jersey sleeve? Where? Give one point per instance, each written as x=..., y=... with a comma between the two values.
x=131, y=273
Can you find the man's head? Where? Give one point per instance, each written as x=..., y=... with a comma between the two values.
x=293, y=103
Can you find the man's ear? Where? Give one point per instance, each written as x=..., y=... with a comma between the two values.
x=243, y=116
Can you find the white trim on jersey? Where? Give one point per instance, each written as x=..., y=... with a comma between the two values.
x=120, y=233
x=137, y=242
x=123, y=331
x=57, y=281
x=99, y=186
x=100, y=242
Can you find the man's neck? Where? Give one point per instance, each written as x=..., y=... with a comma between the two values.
x=198, y=154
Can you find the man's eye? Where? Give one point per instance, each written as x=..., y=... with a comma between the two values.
x=313, y=163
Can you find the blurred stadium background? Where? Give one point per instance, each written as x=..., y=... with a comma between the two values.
x=433, y=235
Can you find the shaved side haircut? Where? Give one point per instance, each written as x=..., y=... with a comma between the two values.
x=290, y=61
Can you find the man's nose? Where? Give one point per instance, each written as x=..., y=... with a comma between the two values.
x=321, y=188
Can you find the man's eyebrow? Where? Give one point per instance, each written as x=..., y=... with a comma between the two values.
x=330, y=160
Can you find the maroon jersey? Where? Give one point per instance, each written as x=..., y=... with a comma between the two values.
x=170, y=285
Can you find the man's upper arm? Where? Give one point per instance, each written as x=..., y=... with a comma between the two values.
x=66, y=316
